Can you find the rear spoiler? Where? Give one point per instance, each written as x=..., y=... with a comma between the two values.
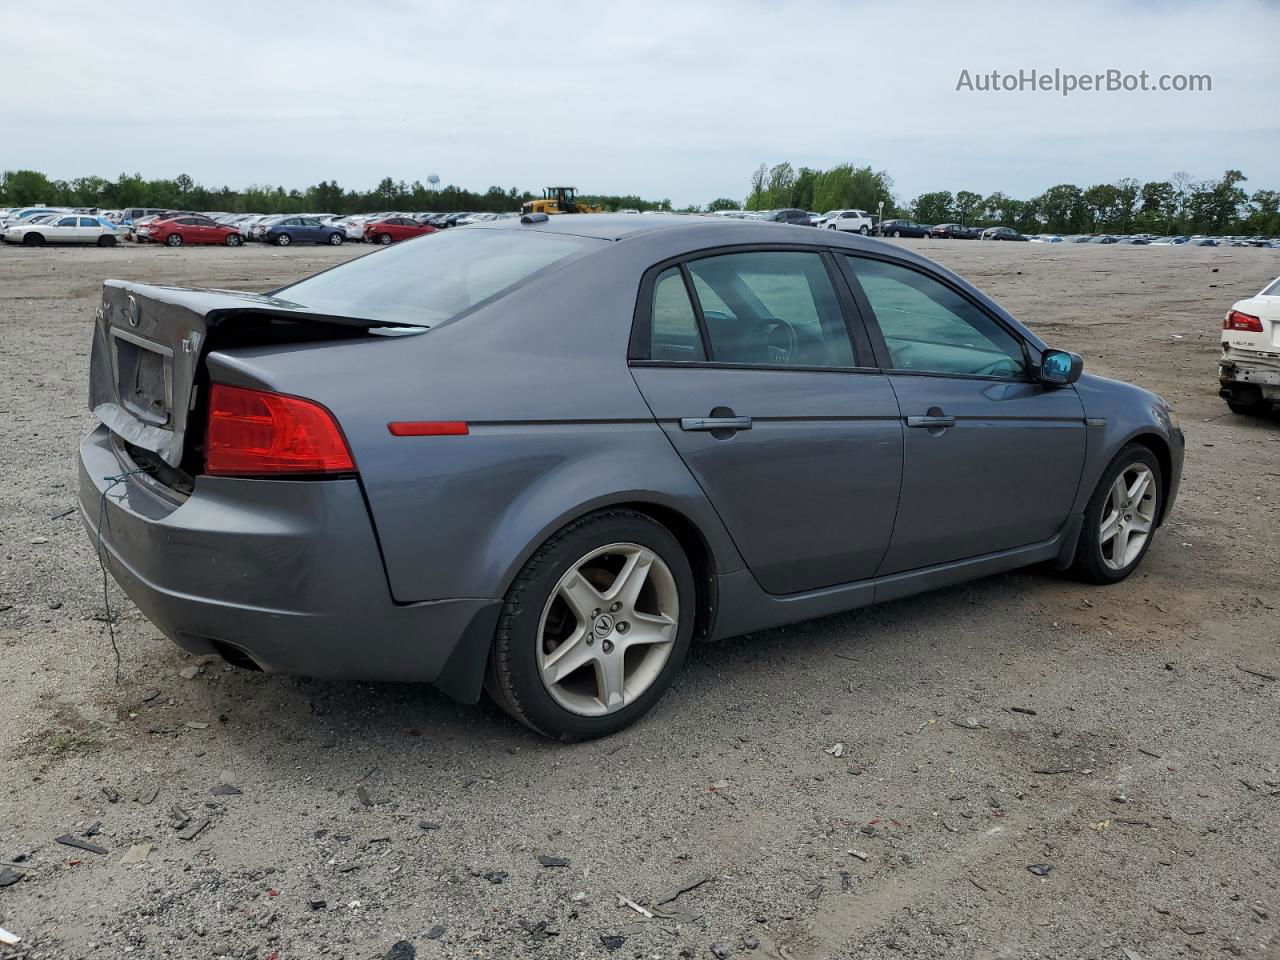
x=216, y=305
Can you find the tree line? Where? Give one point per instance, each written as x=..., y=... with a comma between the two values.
x=1179, y=205
x=29, y=187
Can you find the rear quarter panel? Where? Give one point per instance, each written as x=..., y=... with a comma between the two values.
x=557, y=428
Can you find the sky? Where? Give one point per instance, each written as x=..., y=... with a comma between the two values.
x=678, y=100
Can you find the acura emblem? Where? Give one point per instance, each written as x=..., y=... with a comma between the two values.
x=132, y=311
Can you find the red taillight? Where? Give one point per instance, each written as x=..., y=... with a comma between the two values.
x=1242, y=321
x=252, y=433
x=428, y=428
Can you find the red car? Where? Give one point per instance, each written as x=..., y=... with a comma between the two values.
x=395, y=228
x=189, y=228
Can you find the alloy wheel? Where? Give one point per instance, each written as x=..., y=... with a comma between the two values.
x=1128, y=516
x=608, y=629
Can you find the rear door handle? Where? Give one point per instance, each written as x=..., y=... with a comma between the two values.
x=931, y=422
x=715, y=423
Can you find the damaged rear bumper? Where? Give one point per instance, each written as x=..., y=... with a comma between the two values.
x=279, y=575
x=1250, y=373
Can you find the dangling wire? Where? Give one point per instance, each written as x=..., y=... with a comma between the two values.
x=104, y=518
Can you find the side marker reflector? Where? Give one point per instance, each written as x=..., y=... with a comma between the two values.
x=428, y=428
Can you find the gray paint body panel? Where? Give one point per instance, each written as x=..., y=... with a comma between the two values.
x=400, y=573
x=824, y=451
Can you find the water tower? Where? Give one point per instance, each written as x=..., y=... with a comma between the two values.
x=433, y=181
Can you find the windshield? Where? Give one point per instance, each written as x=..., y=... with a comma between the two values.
x=434, y=278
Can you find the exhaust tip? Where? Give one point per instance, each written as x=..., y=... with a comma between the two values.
x=235, y=656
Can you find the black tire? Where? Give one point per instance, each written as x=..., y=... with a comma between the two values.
x=173, y=240
x=335, y=239
x=234, y=240
x=33, y=239
x=897, y=233
x=1088, y=564
x=1251, y=408
x=512, y=679
x=283, y=240
x=106, y=240
x=382, y=239
x=865, y=231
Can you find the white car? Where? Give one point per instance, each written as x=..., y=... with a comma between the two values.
x=69, y=228
x=856, y=221
x=248, y=225
x=1249, y=370
x=352, y=227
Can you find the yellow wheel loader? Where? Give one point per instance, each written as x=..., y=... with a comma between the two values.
x=559, y=200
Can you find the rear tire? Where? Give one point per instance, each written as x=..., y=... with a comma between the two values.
x=382, y=239
x=897, y=233
x=536, y=621
x=1258, y=408
x=173, y=240
x=1247, y=400
x=283, y=240
x=1097, y=560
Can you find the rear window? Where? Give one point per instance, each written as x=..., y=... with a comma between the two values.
x=1273, y=290
x=434, y=278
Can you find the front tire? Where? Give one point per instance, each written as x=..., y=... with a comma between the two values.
x=897, y=234
x=1120, y=519
x=594, y=627
x=33, y=239
x=335, y=239
x=106, y=241
x=234, y=240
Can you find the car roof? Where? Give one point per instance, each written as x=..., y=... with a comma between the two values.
x=609, y=226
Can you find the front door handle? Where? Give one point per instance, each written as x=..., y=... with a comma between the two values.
x=931, y=422
x=715, y=423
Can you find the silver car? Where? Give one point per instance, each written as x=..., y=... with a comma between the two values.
x=542, y=456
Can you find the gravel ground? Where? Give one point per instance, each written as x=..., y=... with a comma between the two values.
x=1114, y=734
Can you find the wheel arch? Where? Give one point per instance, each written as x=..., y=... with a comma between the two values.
x=675, y=518
x=698, y=552
x=1159, y=448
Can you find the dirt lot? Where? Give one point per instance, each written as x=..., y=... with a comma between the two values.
x=363, y=815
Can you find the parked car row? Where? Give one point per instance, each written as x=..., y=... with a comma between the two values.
x=36, y=225
x=175, y=228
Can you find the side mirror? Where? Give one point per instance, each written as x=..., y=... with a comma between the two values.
x=1060, y=367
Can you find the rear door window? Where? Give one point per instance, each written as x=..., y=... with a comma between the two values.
x=675, y=335
x=772, y=308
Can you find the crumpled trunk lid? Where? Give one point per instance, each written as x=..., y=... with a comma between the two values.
x=149, y=343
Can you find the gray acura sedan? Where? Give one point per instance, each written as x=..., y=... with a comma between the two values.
x=540, y=457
